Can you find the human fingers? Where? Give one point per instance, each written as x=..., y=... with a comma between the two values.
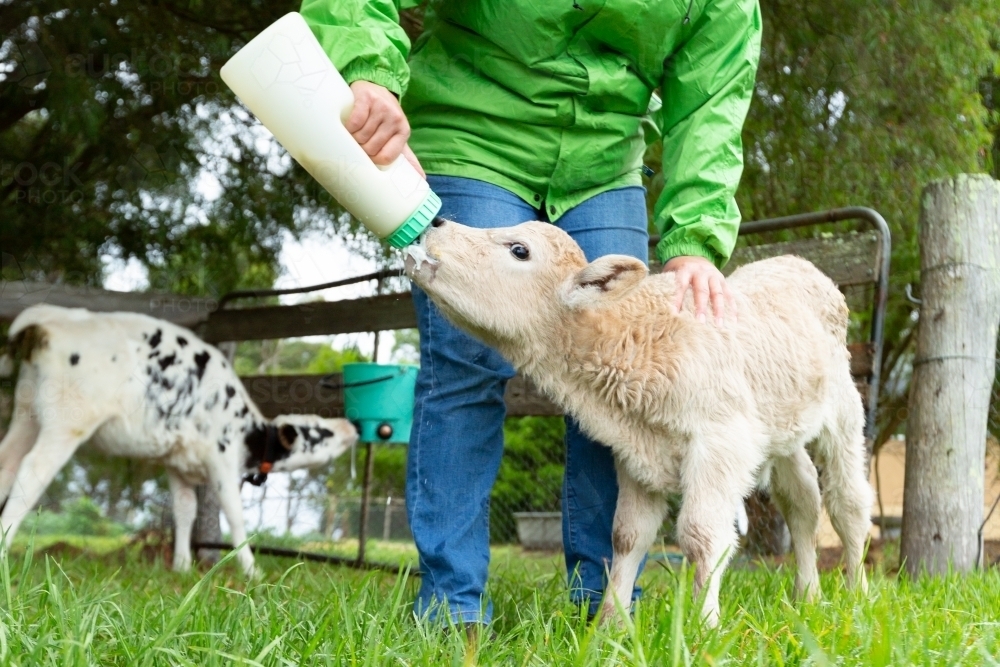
x=378, y=120
x=717, y=293
x=391, y=150
x=360, y=112
x=682, y=280
x=699, y=284
x=412, y=159
x=373, y=123
x=382, y=126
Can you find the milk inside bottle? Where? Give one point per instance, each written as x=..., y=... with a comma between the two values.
x=286, y=79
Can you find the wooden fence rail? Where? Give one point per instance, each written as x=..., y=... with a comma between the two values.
x=849, y=260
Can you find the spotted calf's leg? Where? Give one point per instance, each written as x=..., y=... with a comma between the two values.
x=53, y=448
x=638, y=517
x=23, y=431
x=15, y=446
x=226, y=482
x=185, y=510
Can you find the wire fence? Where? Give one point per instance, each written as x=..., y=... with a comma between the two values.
x=328, y=505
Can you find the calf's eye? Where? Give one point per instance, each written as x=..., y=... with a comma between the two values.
x=519, y=251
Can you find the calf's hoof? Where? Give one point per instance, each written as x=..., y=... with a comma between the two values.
x=809, y=592
x=710, y=615
x=611, y=616
x=859, y=581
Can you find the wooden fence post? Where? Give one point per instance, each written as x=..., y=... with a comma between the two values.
x=953, y=371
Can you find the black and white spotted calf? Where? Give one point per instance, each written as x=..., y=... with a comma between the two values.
x=144, y=388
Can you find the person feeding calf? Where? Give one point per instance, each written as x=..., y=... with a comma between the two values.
x=519, y=111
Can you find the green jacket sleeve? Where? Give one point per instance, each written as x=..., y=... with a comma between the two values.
x=707, y=86
x=363, y=39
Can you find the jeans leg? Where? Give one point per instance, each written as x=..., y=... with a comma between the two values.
x=613, y=222
x=457, y=438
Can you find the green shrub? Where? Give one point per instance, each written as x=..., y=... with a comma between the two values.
x=530, y=478
x=81, y=516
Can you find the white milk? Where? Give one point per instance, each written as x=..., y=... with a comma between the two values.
x=288, y=82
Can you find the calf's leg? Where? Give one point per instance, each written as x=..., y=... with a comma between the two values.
x=23, y=431
x=706, y=531
x=796, y=492
x=53, y=448
x=14, y=447
x=185, y=510
x=227, y=486
x=638, y=517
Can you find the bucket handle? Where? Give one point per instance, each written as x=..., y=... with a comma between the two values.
x=328, y=383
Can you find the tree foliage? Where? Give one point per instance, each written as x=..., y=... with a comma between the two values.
x=82, y=516
x=288, y=357
x=118, y=138
x=530, y=477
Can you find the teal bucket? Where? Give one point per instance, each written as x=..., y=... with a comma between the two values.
x=378, y=398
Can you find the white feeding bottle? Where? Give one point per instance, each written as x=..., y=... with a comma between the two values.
x=286, y=79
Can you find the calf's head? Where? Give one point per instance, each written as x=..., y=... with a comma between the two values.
x=307, y=441
x=516, y=287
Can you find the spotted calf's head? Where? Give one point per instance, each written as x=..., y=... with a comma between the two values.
x=308, y=441
x=511, y=287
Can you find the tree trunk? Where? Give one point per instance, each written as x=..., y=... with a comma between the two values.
x=953, y=372
x=206, y=525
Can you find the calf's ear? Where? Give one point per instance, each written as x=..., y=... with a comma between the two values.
x=287, y=435
x=606, y=278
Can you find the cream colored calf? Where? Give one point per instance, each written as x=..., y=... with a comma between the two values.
x=685, y=406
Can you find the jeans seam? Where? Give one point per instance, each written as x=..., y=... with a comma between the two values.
x=570, y=496
x=576, y=577
x=420, y=431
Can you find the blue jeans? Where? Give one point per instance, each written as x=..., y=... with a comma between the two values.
x=457, y=437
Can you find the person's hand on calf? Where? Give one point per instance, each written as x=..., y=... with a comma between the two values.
x=707, y=284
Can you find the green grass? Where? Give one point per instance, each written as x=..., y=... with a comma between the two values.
x=87, y=609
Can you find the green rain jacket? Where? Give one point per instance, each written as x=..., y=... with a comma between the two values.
x=546, y=98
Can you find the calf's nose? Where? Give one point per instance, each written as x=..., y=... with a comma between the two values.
x=437, y=221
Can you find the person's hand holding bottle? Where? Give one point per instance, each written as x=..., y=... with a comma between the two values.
x=378, y=124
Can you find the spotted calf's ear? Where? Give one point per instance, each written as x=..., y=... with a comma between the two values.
x=287, y=435
x=604, y=279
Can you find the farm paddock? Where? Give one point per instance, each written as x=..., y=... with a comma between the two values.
x=91, y=603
